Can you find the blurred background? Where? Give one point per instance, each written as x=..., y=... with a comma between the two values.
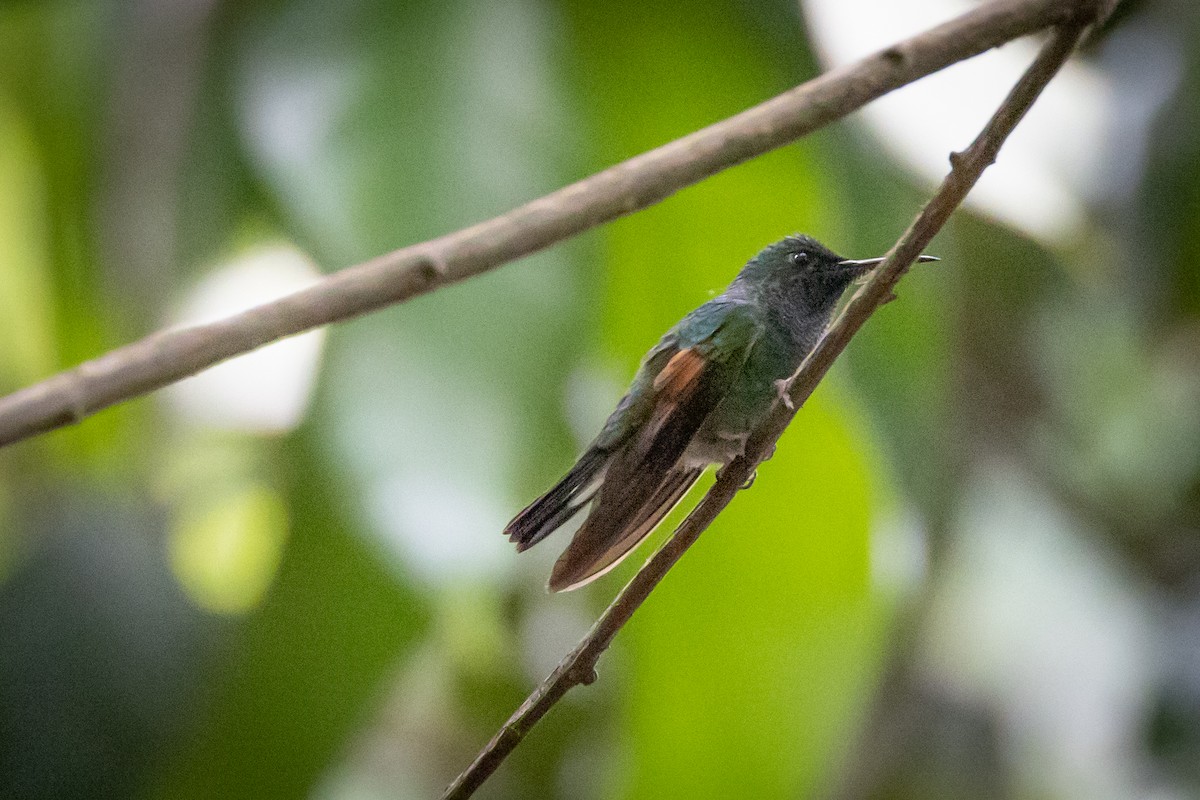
x=971, y=570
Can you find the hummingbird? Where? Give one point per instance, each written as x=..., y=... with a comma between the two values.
x=696, y=398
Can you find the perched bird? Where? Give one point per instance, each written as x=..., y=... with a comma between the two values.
x=696, y=398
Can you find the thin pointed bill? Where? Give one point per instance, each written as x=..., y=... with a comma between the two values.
x=867, y=263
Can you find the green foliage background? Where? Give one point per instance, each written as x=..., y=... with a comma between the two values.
x=142, y=143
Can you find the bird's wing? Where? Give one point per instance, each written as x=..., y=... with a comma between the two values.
x=571, y=494
x=644, y=479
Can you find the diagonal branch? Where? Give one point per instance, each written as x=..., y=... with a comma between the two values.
x=966, y=167
x=166, y=357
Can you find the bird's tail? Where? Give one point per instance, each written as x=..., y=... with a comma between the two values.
x=543, y=516
x=604, y=540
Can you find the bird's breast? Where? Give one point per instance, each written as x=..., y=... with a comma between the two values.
x=747, y=402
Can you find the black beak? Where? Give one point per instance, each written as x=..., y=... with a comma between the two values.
x=865, y=264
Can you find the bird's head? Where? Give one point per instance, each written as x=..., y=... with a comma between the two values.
x=799, y=269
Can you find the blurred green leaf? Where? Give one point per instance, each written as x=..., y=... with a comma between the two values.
x=900, y=361
x=52, y=65
x=372, y=125
x=679, y=71
x=418, y=120
x=309, y=663
x=749, y=663
x=26, y=312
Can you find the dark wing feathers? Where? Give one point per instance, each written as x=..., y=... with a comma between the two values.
x=566, y=498
x=576, y=567
x=632, y=473
x=541, y=517
x=642, y=482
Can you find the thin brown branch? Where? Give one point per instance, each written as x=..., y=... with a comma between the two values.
x=169, y=356
x=966, y=167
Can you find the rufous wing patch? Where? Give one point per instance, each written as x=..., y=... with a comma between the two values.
x=679, y=374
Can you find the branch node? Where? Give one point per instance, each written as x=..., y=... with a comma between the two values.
x=896, y=56
x=585, y=674
x=76, y=391
x=957, y=160
x=434, y=266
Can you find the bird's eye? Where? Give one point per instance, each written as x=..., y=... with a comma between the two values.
x=799, y=259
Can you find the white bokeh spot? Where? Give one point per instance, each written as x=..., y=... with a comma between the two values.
x=268, y=390
x=1052, y=161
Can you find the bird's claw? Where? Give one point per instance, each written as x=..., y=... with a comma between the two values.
x=781, y=388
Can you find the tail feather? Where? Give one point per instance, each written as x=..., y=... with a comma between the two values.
x=564, y=500
x=580, y=563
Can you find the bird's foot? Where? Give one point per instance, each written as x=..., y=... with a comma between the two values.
x=781, y=388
